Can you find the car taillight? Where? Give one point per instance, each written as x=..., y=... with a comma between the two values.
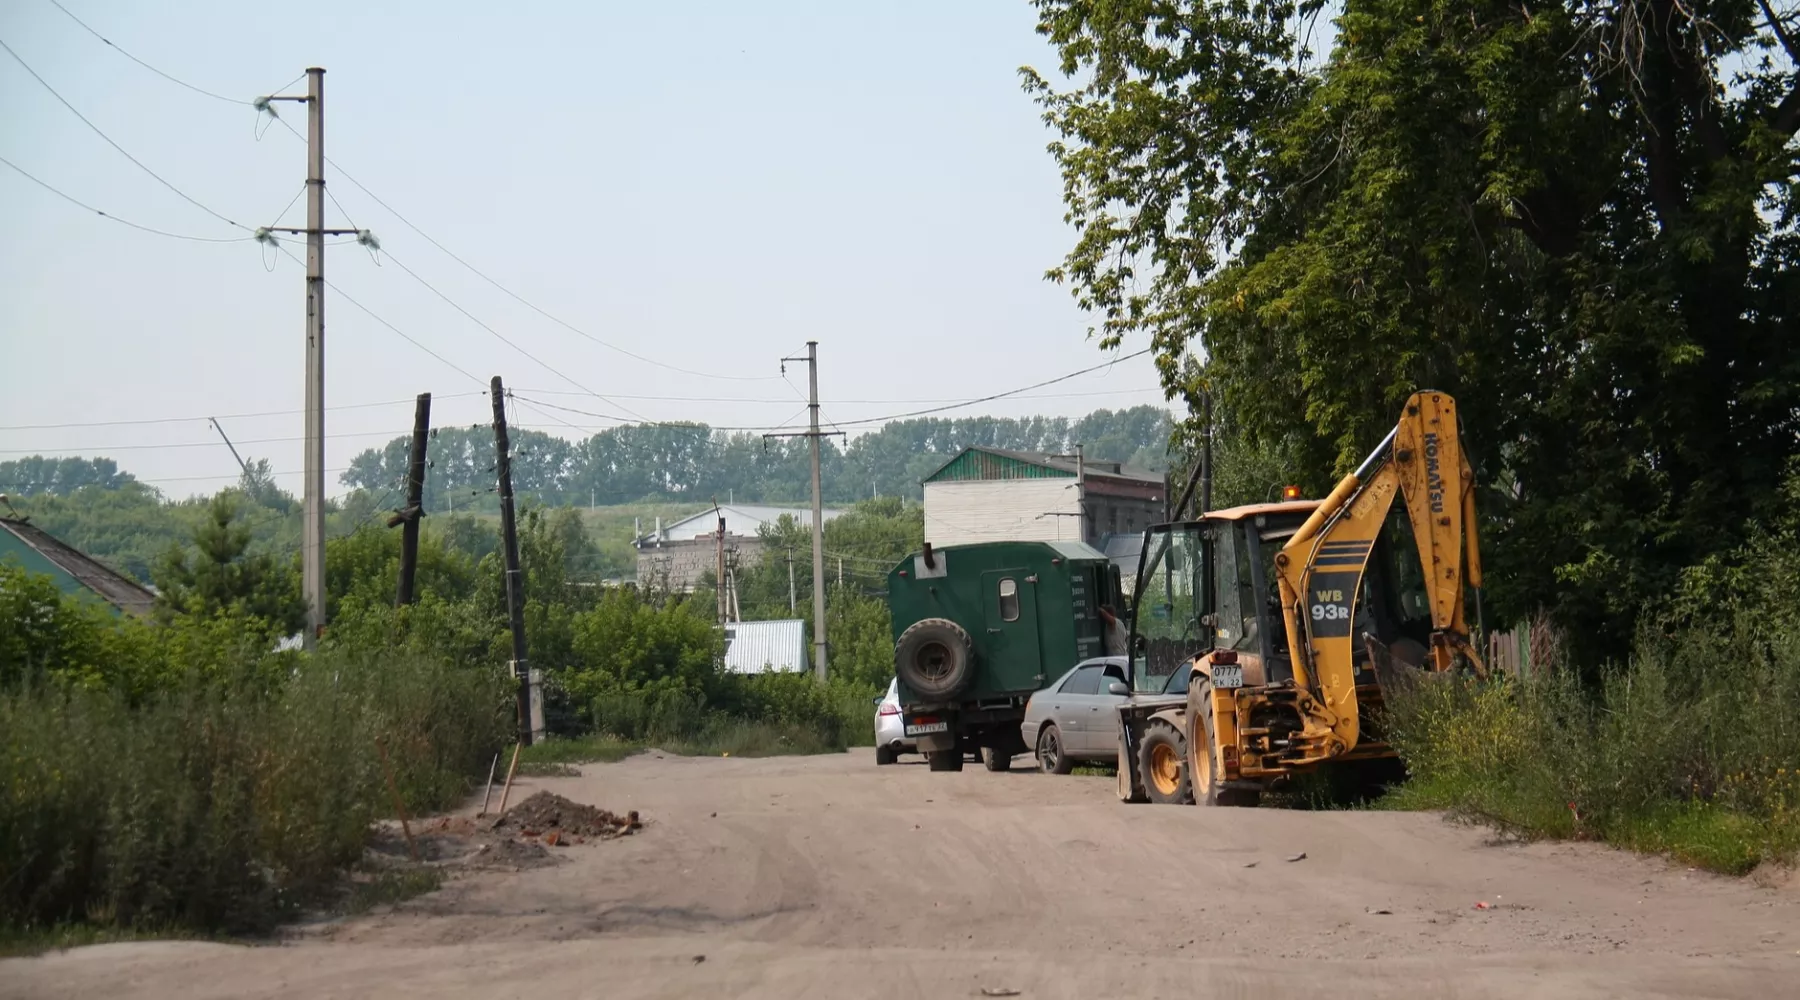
x=890, y=710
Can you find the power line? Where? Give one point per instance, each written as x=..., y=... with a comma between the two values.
x=109, y=141
x=372, y=315
x=772, y=401
x=901, y=416
x=177, y=479
x=502, y=337
x=71, y=199
x=572, y=328
x=997, y=395
x=656, y=423
x=190, y=444
x=198, y=90
x=225, y=416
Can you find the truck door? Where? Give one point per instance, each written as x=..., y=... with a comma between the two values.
x=1010, y=603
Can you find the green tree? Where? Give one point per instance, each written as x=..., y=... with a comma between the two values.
x=1578, y=217
x=219, y=575
x=60, y=476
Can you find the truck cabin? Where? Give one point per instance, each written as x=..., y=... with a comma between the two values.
x=1211, y=584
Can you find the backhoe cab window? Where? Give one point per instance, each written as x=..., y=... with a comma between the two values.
x=1169, y=606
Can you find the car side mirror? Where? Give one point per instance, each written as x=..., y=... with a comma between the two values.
x=1118, y=689
x=876, y=700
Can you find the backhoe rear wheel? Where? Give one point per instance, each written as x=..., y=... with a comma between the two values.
x=1207, y=784
x=1161, y=762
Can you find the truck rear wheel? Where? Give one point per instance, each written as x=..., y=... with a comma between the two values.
x=944, y=760
x=994, y=759
x=935, y=659
x=1161, y=762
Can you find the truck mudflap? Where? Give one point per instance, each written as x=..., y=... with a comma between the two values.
x=991, y=722
x=930, y=729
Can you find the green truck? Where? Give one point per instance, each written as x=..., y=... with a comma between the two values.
x=978, y=628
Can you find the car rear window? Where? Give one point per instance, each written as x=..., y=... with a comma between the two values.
x=1085, y=681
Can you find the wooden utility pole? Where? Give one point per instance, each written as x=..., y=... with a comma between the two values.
x=408, y=517
x=820, y=646
x=515, y=580
x=234, y=452
x=1206, y=476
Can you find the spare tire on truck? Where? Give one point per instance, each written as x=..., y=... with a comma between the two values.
x=935, y=659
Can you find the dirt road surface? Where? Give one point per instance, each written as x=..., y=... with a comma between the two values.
x=827, y=877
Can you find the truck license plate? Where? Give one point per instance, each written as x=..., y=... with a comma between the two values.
x=1227, y=675
x=927, y=727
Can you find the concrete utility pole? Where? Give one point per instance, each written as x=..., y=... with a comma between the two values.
x=515, y=579
x=1080, y=493
x=792, y=604
x=719, y=573
x=818, y=526
x=312, y=532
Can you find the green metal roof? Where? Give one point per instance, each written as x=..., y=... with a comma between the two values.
x=984, y=464
x=74, y=572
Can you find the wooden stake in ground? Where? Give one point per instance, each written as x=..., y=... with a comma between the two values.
x=487, y=790
x=510, y=768
x=394, y=790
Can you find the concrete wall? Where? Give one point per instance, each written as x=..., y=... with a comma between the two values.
x=1109, y=515
x=963, y=512
x=679, y=565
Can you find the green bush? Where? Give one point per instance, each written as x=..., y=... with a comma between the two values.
x=223, y=803
x=1692, y=747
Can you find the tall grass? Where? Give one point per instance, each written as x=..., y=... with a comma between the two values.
x=1691, y=748
x=223, y=804
x=747, y=715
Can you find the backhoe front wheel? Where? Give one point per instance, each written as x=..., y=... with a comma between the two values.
x=1161, y=762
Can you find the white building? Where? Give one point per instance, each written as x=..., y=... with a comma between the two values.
x=991, y=495
x=677, y=555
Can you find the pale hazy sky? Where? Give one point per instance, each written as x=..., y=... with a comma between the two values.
x=706, y=184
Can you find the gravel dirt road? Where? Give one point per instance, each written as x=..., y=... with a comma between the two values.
x=825, y=877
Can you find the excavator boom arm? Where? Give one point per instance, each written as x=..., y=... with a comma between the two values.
x=1322, y=565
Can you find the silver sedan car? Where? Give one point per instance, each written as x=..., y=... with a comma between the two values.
x=1076, y=718
x=890, y=731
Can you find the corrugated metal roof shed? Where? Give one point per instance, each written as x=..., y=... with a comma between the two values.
x=979, y=462
x=742, y=520
x=73, y=571
x=761, y=647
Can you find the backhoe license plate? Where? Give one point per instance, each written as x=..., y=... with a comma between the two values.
x=1227, y=676
x=921, y=728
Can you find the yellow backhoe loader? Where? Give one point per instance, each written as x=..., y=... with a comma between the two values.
x=1288, y=620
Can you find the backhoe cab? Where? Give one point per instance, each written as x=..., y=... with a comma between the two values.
x=1294, y=616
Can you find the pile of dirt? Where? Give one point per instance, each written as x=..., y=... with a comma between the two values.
x=558, y=820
